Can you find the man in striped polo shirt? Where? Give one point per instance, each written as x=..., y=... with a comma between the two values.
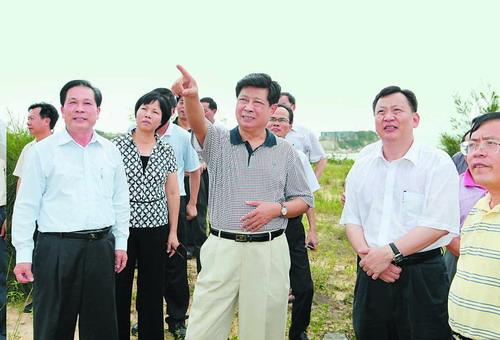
x=474, y=300
x=245, y=261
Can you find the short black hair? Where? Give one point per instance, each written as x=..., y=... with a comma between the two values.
x=480, y=120
x=291, y=98
x=212, y=105
x=290, y=112
x=262, y=81
x=387, y=91
x=80, y=82
x=165, y=105
x=167, y=94
x=46, y=111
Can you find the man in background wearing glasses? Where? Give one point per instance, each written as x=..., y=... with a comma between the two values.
x=474, y=300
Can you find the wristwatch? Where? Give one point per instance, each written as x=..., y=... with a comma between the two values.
x=397, y=256
x=283, y=209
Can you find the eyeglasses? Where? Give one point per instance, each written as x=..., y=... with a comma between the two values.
x=279, y=120
x=469, y=147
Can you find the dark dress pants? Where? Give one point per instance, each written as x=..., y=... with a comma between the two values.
x=300, y=278
x=74, y=278
x=147, y=248
x=197, y=227
x=200, y=227
x=412, y=308
x=176, y=290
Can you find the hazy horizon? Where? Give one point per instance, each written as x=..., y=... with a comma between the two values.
x=333, y=57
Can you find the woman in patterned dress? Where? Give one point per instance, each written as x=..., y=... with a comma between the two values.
x=151, y=168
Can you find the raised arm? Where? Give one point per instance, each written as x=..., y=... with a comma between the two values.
x=187, y=87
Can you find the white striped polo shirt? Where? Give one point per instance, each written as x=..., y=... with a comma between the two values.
x=272, y=172
x=474, y=300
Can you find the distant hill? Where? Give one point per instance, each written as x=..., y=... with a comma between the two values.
x=108, y=135
x=336, y=142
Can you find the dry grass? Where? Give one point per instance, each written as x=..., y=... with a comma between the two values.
x=333, y=268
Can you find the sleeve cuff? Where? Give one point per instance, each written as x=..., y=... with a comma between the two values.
x=120, y=243
x=24, y=255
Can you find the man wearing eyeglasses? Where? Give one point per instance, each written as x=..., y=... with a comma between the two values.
x=474, y=300
x=280, y=123
x=401, y=208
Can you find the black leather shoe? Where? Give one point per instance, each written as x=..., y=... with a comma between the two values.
x=135, y=329
x=178, y=331
x=28, y=308
x=303, y=336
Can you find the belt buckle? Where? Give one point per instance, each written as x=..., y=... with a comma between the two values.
x=93, y=236
x=241, y=238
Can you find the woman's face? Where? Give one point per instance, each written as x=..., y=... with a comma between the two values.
x=148, y=116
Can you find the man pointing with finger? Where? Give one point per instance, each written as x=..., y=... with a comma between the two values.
x=245, y=261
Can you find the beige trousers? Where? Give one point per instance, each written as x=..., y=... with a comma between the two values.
x=252, y=275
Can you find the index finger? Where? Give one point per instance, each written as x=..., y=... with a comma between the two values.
x=183, y=71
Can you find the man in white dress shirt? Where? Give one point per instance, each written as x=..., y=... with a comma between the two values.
x=304, y=139
x=301, y=282
x=74, y=186
x=401, y=208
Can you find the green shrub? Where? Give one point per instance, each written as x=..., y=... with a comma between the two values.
x=16, y=140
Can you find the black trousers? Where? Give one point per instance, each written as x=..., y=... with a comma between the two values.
x=146, y=248
x=74, y=278
x=412, y=308
x=197, y=227
x=176, y=287
x=300, y=277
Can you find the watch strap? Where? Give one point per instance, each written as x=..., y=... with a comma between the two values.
x=397, y=256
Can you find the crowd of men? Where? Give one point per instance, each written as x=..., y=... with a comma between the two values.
x=404, y=203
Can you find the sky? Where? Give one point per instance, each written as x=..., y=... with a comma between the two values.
x=333, y=56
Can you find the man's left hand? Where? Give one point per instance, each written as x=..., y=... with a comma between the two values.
x=261, y=215
x=120, y=260
x=191, y=211
x=312, y=239
x=376, y=260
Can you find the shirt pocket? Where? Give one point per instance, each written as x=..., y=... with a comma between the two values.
x=104, y=176
x=412, y=206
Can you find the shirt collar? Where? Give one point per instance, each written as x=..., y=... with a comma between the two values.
x=131, y=138
x=484, y=204
x=65, y=138
x=469, y=180
x=235, y=138
x=410, y=155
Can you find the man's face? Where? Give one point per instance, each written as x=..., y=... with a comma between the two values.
x=252, y=108
x=148, y=116
x=394, y=119
x=209, y=113
x=485, y=164
x=80, y=111
x=181, y=111
x=279, y=123
x=285, y=101
x=36, y=124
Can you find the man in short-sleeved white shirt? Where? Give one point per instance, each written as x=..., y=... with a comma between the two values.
x=401, y=208
x=280, y=123
x=304, y=139
x=42, y=118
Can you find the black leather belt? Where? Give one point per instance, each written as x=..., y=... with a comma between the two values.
x=90, y=235
x=260, y=237
x=420, y=257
